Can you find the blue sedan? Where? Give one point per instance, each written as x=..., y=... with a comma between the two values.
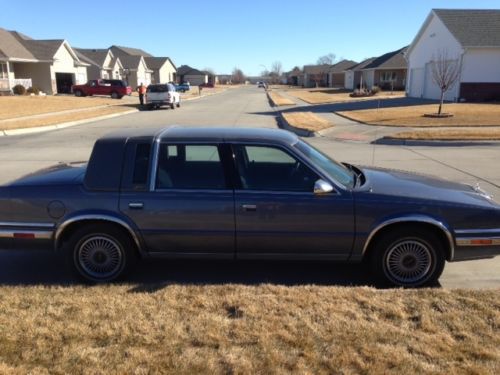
x=227, y=193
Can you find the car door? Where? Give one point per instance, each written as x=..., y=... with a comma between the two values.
x=277, y=213
x=189, y=208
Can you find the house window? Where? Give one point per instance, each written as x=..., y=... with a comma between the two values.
x=3, y=70
x=388, y=76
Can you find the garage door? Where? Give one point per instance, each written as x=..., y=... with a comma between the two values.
x=432, y=91
x=417, y=82
x=64, y=81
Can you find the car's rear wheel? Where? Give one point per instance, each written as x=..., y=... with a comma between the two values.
x=114, y=95
x=100, y=253
x=408, y=258
x=179, y=103
x=172, y=105
x=78, y=93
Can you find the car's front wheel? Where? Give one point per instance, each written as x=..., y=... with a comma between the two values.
x=100, y=253
x=115, y=95
x=408, y=258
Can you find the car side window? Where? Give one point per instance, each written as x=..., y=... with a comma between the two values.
x=188, y=166
x=141, y=164
x=273, y=169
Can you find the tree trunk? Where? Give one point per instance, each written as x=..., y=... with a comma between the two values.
x=441, y=102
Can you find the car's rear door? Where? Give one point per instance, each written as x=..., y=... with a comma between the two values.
x=277, y=213
x=189, y=207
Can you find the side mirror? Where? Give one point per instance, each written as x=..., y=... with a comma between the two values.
x=322, y=187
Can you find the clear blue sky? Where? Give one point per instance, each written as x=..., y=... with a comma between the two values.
x=227, y=33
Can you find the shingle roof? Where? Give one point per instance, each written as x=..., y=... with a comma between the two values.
x=472, y=27
x=362, y=64
x=130, y=62
x=186, y=69
x=96, y=55
x=316, y=69
x=156, y=62
x=43, y=49
x=341, y=66
x=390, y=60
x=120, y=51
x=85, y=58
x=11, y=47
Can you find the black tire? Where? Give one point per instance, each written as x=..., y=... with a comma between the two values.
x=100, y=253
x=114, y=95
x=179, y=103
x=79, y=93
x=408, y=258
x=172, y=105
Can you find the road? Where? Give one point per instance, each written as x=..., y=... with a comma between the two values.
x=244, y=107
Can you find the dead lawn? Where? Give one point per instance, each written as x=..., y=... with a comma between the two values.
x=61, y=118
x=279, y=100
x=465, y=114
x=247, y=330
x=20, y=106
x=334, y=96
x=447, y=134
x=307, y=121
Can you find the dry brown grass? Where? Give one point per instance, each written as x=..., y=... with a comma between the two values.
x=247, y=330
x=61, y=118
x=279, y=100
x=306, y=120
x=20, y=106
x=333, y=96
x=465, y=114
x=475, y=134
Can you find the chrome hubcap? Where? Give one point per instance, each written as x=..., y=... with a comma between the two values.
x=408, y=261
x=100, y=257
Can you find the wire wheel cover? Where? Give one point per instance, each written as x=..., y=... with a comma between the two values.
x=408, y=261
x=100, y=257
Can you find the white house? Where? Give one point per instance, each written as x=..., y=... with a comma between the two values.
x=103, y=64
x=469, y=37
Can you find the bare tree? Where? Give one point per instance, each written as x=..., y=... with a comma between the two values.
x=445, y=73
x=276, y=71
x=238, y=76
x=327, y=59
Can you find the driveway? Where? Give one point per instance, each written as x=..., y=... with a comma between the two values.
x=247, y=106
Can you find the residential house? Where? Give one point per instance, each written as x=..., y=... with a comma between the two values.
x=353, y=76
x=195, y=77
x=135, y=69
x=163, y=68
x=471, y=39
x=103, y=64
x=213, y=79
x=316, y=75
x=292, y=77
x=336, y=73
x=51, y=65
x=387, y=71
x=225, y=79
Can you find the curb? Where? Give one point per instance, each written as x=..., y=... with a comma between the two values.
x=282, y=123
x=422, y=142
x=40, y=129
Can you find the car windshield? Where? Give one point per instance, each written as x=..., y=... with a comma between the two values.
x=335, y=170
x=158, y=88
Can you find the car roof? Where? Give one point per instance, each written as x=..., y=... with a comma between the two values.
x=215, y=134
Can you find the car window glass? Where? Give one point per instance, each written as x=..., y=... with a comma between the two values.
x=271, y=168
x=190, y=167
x=141, y=164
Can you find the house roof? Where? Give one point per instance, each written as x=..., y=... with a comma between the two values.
x=157, y=62
x=130, y=62
x=187, y=70
x=96, y=55
x=472, y=27
x=12, y=48
x=85, y=58
x=43, y=49
x=316, y=69
x=390, y=60
x=342, y=66
x=120, y=50
x=362, y=64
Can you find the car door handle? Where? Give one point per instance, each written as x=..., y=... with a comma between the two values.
x=249, y=207
x=136, y=205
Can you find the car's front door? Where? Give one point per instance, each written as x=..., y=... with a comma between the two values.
x=189, y=210
x=279, y=216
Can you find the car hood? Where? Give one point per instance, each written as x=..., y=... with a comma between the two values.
x=60, y=174
x=396, y=183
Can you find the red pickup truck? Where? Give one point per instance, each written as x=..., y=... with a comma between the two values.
x=115, y=88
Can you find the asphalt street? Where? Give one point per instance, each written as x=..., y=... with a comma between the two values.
x=245, y=107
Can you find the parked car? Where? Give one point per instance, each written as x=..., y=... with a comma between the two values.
x=115, y=88
x=183, y=87
x=158, y=95
x=239, y=193
x=261, y=84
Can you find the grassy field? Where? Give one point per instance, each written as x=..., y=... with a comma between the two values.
x=334, y=96
x=234, y=329
x=465, y=114
x=279, y=100
x=306, y=120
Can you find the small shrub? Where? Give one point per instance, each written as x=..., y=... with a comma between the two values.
x=19, y=90
x=376, y=90
x=33, y=90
